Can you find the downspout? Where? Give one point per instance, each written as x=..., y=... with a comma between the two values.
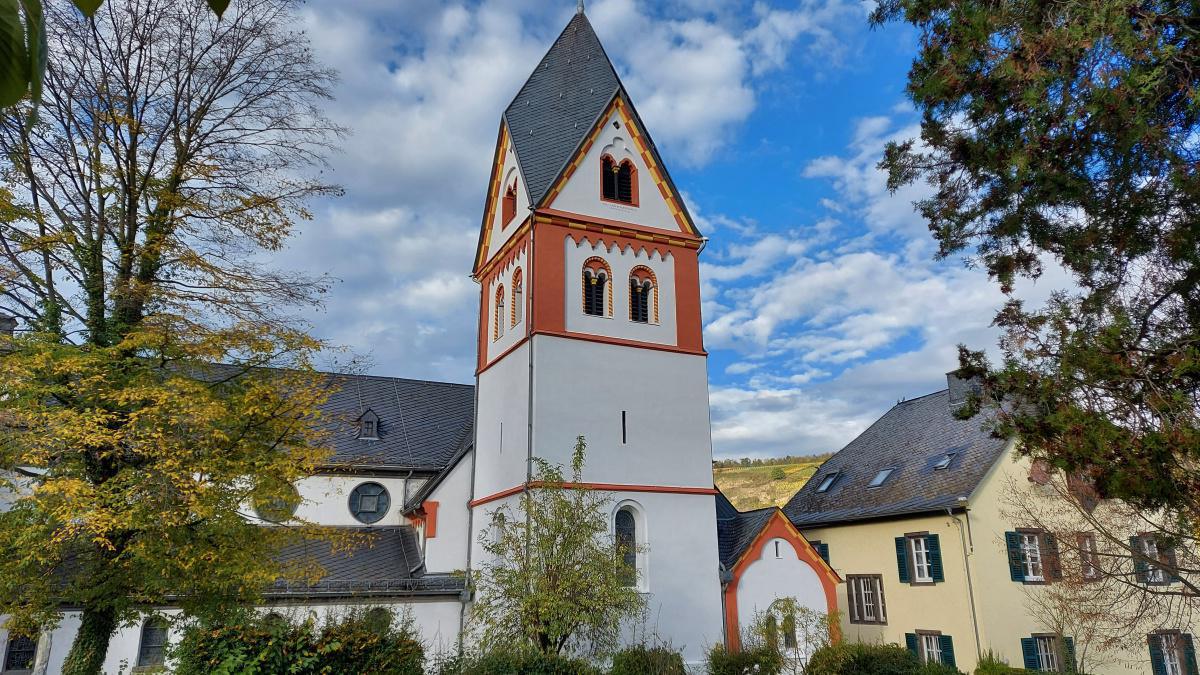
x=466, y=594
x=962, y=537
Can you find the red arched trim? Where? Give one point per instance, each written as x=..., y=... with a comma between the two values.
x=498, y=313
x=509, y=209
x=517, y=311
x=779, y=527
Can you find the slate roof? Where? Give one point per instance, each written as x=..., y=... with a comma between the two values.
x=736, y=529
x=559, y=104
x=421, y=424
x=390, y=564
x=910, y=438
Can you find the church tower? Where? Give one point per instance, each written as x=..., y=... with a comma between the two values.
x=590, y=325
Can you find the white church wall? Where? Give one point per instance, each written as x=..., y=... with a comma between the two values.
x=447, y=551
x=502, y=431
x=325, y=500
x=778, y=573
x=617, y=324
x=581, y=389
x=436, y=621
x=498, y=342
x=581, y=194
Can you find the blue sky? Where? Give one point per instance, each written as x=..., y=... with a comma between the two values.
x=823, y=304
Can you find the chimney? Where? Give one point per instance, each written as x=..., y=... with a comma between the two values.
x=8, y=324
x=960, y=389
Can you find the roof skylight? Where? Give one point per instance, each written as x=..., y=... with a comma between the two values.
x=880, y=477
x=944, y=462
x=827, y=482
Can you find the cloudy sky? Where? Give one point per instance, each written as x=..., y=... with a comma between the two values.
x=823, y=304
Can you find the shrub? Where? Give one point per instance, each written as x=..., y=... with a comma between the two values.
x=244, y=642
x=641, y=659
x=513, y=662
x=778, y=474
x=862, y=659
x=759, y=660
x=993, y=664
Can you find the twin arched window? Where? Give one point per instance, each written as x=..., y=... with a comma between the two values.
x=597, y=292
x=498, y=314
x=618, y=182
x=512, y=317
x=518, y=299
x=643, y=295
x=508, y=210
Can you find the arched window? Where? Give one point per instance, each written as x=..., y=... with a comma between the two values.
x=625, y=529
x=597, y=296
x=618, y=182
x=518, y=301
x=21, y=653
x=782, y=617
x=499, y=315
x=151, y=651
x=508, y=209
x=643, y=295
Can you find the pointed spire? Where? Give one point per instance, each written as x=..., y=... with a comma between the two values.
x=579, y=7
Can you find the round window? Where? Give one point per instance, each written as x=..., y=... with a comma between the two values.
x=279, y=506
x=369, y=502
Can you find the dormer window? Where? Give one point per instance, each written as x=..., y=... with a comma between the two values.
x=368, y=426
x=828, y=481
x=508, y=209
x=880, y=477
x=618, y=182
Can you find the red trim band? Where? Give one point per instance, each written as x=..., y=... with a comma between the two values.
x=607, y=487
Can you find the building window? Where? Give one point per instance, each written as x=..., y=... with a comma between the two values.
x=154, y=642
x=1151, y=561
x=643, y=295
x=880, y=478
x=1172, y=653
x=596, y=292
x=509, y=208
x=369, y=502
x=21, y=653
x=865, y=596
x=1048, y=653
x=778, y=553
x=1089, y=557
x=1033, y=556
x=781, y=625
x=499, y=316
x=919, y=557
x=828, y=481
x=625, y=529
x=944, y=462
x=518, y=302
x=618, y=182
x=368, y=426
x=931, y=647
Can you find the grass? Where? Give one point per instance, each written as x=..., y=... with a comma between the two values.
x=753, y=487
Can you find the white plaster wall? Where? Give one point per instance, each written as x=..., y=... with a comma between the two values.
x=622, y=261
x=768, y=579
x=436, y=620
x=325, y=500
x=582, y=387
x=512, y=334
x=581, y=194
x=502, y=424
x=447, y=552
x=500, y=233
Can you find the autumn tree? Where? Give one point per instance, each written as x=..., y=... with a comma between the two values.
x=156, y=386
x=1067, y=134
x=554, y=577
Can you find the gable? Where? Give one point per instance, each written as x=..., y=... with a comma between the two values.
x=497, y=227
x=618, y=134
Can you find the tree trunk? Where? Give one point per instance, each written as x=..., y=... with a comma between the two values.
x=91, y=642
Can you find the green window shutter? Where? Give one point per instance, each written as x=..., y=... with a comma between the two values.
x=823, y=551
x=1053, y=559
x=934, y=547
x=1029, y=653
x=910, y=641
x=902, y=558
x=1189, y=654
x=1140, y=568
x=1158, y=661
x=1013, y=541
x=947, y=650
x=1069, y=654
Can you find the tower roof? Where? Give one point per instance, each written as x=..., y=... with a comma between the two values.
x=558, y=105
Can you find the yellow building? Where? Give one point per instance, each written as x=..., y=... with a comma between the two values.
x=917, y=517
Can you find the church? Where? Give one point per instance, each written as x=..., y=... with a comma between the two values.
x=589, y=325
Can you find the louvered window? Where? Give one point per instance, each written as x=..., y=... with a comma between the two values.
x=593, y=292
x=618, y=181
x=639, y=301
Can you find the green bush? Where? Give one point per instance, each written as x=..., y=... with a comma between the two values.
x=246, y=642
x=514, y=662
x=862, y=659
x=759, y=660
x=993, y=664
x=642, y=659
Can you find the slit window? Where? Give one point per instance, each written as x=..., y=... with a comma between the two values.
x=625, y=527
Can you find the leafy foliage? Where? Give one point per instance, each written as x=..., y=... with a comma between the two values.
x=245, y=642
x=643, y=658
x=749, y=660
x=993, y=664
x=1068, y=134
x=854, y=658
x=552, y=577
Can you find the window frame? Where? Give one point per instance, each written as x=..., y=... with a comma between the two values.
x=1172, y=644
x=828, y=481
x=8, y=653
x=517, y=311
x=598, y=269
x=1039, y=537
x=923, y=636
x=857, y=599
x=640, y=558
x=383, y=492
x=1089, y=556
x=881, y=477
x=615, y=170
x=910, y=545
x=1154, y=573
x=945, y=461
x=508, y=205
x=1053, y=653
x=162, y=648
